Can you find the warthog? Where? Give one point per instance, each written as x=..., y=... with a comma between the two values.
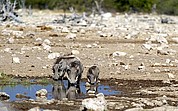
x=59, y=91
x=92, y=74
x=74, y=72
x=60, y=66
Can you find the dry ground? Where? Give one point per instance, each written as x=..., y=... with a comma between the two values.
x=34, y=61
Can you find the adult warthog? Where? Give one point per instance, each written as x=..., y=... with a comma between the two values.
x=60, y=66
x=74, y=72
x=92, y=74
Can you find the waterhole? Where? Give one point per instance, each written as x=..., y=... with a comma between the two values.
x=58, y=90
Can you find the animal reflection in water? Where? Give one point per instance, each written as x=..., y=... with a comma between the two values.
x=92, y=89
x=60, y=92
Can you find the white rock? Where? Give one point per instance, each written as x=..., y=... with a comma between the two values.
x=75, y=52
x=147, y=46
x=6, y=32
x=157, y=71
x=10, y=40
x=46, y=47
x=7, y=50
x=161, y=40
x=42, y=92
x=38, y=39
x=106, y=16
x=82, y=31
x=168, y=61
x=74, y=31
x=119, y=54
x=71, y=36
x=18, y=34
x=175, y=39
x=47, y=42
x=97, y=104
x=16, y=60
x=82, y=23
x=162, y=51
x=35, y=109
x=134, y=109
x=170, y=76
x=65, y=30
x=4, y=95
x=103, y=34
x=53, y=55
x=89, y=46
x=126, y=67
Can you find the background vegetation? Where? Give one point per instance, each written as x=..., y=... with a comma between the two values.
x=146, y=6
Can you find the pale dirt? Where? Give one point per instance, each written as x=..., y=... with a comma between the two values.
x=33, y=61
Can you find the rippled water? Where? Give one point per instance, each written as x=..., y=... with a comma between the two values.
x=56, y=91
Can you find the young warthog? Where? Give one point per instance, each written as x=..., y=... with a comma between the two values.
x=74, y=72
x=60, y=66
x=92, y=74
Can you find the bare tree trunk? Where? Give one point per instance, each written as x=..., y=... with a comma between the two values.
x=98, y=6
x=7, y=11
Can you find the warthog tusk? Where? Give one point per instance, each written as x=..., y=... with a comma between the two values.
x=76, y=78
x=95, y=79
x=68, y=77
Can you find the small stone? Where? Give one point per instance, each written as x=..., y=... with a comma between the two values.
x=89, y=46
x=7, y=50
x=168, y=61
x=147, y=46
x=74, y=31
x=53, y=55
x=97, y=104
x=161, y=39
x=157, y=71
x=38, y=39
x=82, y=31
x=157, y=103
x=18, y=34
x=82, y=23
x=47, y=42
x=75, y=52
x=4, y=96
x=42, y=92
x=175, y=39
x=71, y=36
x=103, y=34
x=170, y=76
x=162, y=52
x=46, y=47
x=65, y=30
x=10, y=40
x=16, y=60
x=119, y=54
x=35, y=109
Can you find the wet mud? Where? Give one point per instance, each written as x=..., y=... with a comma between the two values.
x=116, y=91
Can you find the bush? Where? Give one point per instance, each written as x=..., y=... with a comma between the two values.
x=163, y=6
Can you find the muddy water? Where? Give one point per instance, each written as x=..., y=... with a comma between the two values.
x=58, y=90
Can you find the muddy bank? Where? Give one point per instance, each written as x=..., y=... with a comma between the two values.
x=131, y=93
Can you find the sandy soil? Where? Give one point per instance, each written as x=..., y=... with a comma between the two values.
x=34, y=59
